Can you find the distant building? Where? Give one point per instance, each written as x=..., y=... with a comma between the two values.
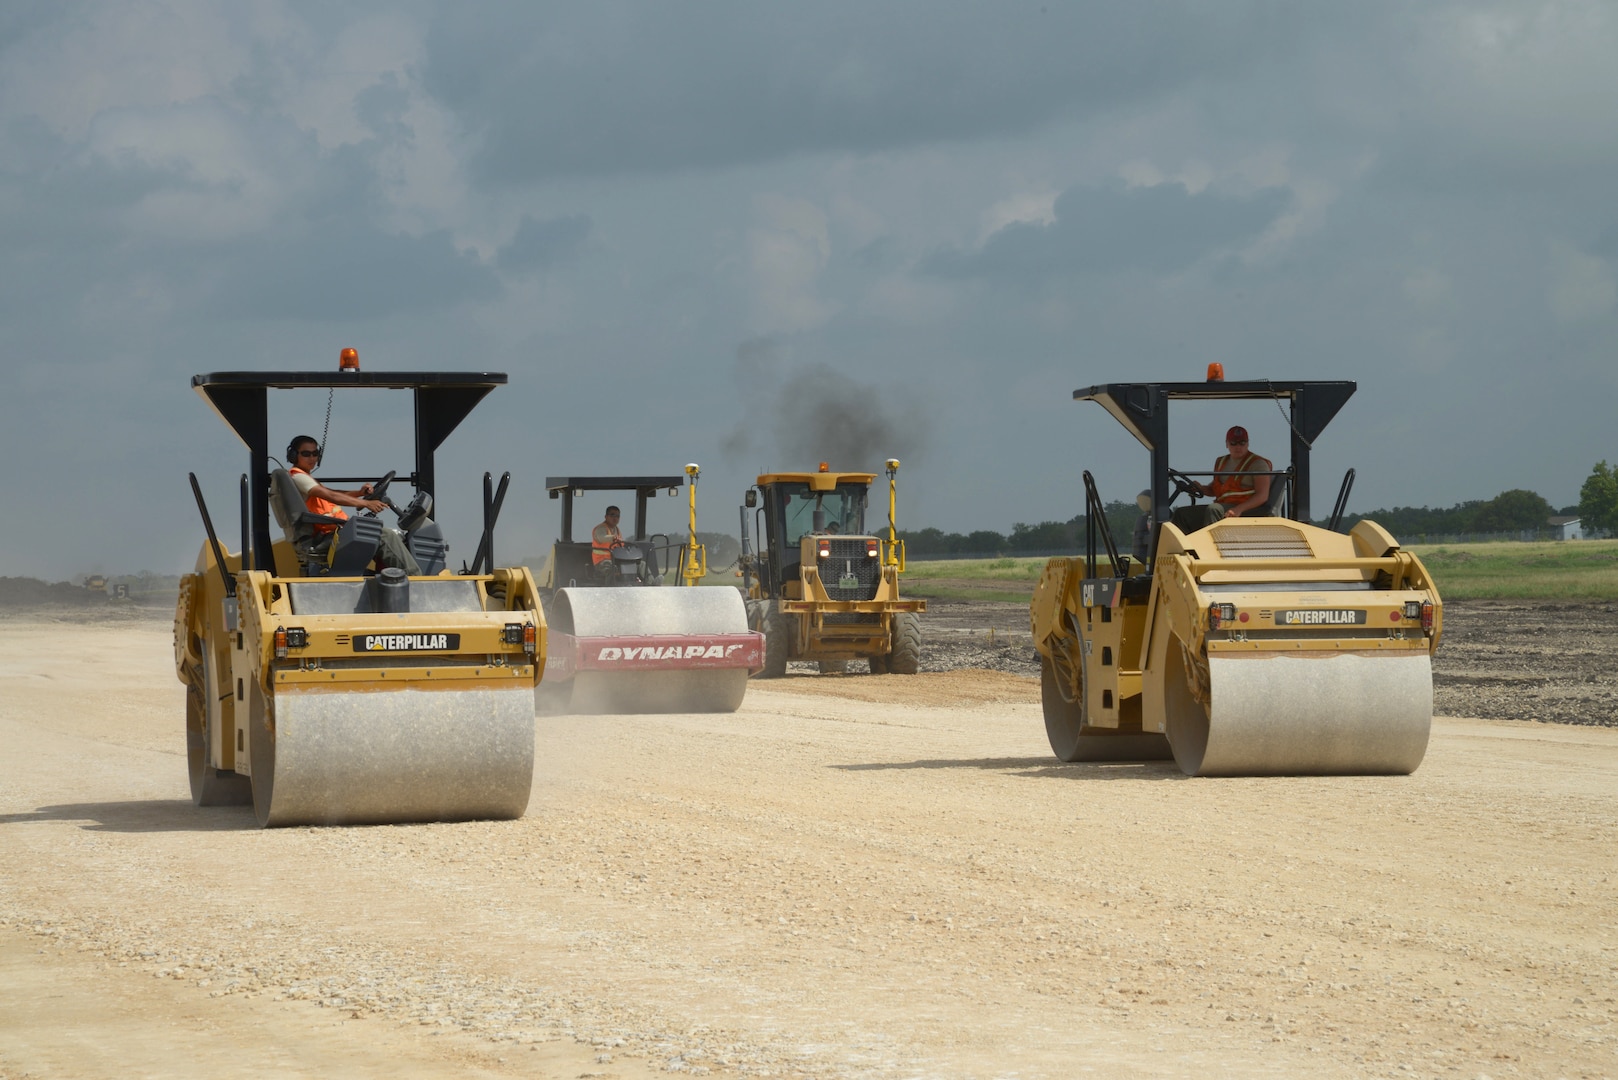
x=1564, y=527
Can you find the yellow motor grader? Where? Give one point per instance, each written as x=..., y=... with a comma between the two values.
x=822, y=588
x=323, y=692
x=1252, y=645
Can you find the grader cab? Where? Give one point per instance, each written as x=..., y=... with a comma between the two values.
x=822, y=588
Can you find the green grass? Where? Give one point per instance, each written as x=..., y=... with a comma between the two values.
x=1567, y=570
x=972, y=579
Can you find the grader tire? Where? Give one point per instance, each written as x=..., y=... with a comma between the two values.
x=905, y=659
x=777, y=629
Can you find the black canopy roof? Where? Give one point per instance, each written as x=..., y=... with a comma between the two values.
x=241, y=399
x=1143, y=410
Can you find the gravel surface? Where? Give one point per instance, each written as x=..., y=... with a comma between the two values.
x=852, y=876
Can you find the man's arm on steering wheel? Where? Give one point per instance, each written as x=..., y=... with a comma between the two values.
x=349, y=498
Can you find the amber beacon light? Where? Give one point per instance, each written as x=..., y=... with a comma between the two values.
x=348, y=360
x=1216, y=372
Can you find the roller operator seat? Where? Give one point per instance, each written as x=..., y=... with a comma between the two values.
x=345, y=552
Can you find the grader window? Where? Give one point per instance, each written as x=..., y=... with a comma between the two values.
x=843, y=507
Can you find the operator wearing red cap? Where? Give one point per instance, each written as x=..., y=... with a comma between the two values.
x=1241, y=482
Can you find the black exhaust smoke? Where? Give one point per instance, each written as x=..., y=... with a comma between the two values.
x=798, y=418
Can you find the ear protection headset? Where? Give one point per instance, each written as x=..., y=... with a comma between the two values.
x=292, y=449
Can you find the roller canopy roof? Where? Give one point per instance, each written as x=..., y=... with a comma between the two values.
x=613, y=483
x=1139, y=406
x=240, y=398
x=1143, y=409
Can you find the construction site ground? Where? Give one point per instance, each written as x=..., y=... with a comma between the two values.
x=852, y=876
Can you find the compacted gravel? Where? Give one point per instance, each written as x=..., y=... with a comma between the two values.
x=857, y=875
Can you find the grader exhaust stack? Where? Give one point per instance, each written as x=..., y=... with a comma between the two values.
x=1251, y=645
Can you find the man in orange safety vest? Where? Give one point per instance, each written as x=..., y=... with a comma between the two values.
x=1241, y=482
x=605, y=537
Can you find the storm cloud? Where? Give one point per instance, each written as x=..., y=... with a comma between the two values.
x=1156, y=229
x=929, y=221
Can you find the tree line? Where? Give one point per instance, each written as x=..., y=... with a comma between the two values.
x=1514, y=511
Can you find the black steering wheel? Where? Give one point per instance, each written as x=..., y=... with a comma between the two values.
x=1184, y=485
x=379, y=490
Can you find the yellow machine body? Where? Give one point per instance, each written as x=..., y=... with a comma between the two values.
x=1257, y=646
x=375, y=717
x=831, y=597
x=322, y=693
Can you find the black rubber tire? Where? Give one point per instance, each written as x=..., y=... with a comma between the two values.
x=879, y=665
x=209, y=786
x=1064, y=720
x=833, y=667
x=778, y=630
x=905, y=659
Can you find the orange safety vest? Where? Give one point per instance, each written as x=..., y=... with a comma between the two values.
x=603, y=538
x=317, y=505
x=1234, y=487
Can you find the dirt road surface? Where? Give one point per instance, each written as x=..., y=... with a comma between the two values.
x=860, y=876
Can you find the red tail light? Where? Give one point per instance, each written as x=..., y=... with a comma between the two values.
x=871, y=548
x=530, y=638
x=825, y=549
x=1219, y=614
x=281, y=644
x=1427, y=615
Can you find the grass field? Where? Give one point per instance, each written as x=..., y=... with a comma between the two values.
x=1568, y=570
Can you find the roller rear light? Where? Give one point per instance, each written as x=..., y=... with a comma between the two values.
x=1427, y=615
x=291, y=637
x=530, y=638
x=1220, y=614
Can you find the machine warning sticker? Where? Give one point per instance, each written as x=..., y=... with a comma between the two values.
x=1321, y=617
x=405, y=642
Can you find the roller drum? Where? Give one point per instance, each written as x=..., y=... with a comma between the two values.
x=336, y=758
x=1280, y=715
x=628, y=611
x=609, y=613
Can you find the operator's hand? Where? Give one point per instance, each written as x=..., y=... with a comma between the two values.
x=375, y=506
x=365, y=491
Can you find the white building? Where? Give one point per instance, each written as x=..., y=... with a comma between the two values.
x=1566, y=528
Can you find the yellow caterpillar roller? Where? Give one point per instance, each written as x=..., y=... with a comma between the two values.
x=1240, y=646
x=323, y=692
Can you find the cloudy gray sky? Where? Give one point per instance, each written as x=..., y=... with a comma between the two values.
x=924, y=223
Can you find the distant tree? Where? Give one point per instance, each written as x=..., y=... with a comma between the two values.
x=1598, y=499
x=983, y=540
x=1512, y=511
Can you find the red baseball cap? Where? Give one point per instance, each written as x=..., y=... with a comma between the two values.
x=1236, y=434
